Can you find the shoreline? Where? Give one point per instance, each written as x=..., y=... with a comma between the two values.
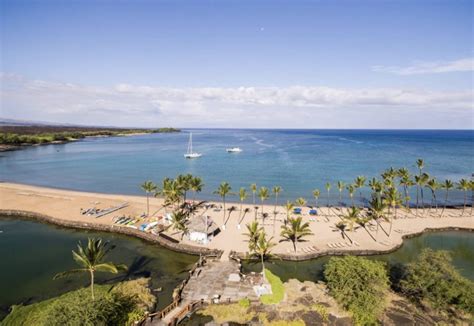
x=61, y=207
x=10, y=147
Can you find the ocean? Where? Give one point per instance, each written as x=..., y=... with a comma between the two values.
x=297, y=160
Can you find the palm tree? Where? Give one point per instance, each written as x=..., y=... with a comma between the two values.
x=179, y=220
x=148, y=187
x=288, y=207
x=253, y=187
x=196, y=185
x=420, y=164
x=253, y=230
x=296, y=230
x=377, y=210
x=242, y=197
x=433, y=185
x=447, y=185
x=352, y=216
x=263, y=195
x=359, y=183
x=392, y=198
x=90, y=260
x=262, y=249
x=184, y=183
x=340, y=187
x=350, y=189
x=316, y=194
x=421, y=181
x=300, y=201
x=464, y=185
x=328, y=189
x=377, y=187
x=406, y=182
x=276, y=191
x=223, y=190
x=171, y=191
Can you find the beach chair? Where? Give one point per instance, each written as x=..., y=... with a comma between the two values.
x=297, y=210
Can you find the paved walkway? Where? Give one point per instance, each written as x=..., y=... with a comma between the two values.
x=213, y=279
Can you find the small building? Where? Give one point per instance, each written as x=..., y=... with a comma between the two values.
x=202, y=229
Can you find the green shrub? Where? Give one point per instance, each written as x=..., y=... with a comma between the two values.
x=278, y=289
x=359, y=285
x=432, y=279
x=245, y=303
x=119, y=305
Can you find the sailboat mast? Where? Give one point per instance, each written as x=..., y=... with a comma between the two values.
x=191, y=142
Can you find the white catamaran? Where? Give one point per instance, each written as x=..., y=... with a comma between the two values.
x=190, y=153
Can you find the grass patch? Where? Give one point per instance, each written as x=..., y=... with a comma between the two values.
x=262, y=317
x=278, y=289
x=114, y=305
x=244, y=303
x=222, y=313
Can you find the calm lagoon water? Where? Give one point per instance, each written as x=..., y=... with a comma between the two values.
x=32, y=253
x=297, y=160
x=459, y=243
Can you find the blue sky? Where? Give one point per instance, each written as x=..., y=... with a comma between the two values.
x=370, y=64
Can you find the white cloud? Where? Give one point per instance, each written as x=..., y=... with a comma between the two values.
x=294, y=106
x=423, y=67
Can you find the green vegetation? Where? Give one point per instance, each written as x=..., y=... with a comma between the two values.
x=433, y=280
x=32, y=135
x=148, y=187
x=121, y=304
x=278, y=289
x=245, y=302
x=223, y=313
x=295, y=231
x=90, y=260
x=359, y=285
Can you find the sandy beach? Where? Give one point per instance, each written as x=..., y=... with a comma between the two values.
x=66, y=205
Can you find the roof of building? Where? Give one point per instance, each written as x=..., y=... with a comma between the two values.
x=198, y=224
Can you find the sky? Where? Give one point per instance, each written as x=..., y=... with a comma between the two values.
x=239, y=64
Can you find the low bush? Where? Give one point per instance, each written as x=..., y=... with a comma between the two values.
x=359, y=285
x=114, y=305
x=433, y=280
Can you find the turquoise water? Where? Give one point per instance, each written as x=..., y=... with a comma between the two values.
x=459, y=244
x=299, y=161
x=32, y=253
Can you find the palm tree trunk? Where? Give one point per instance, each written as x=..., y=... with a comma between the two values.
x=240, y=213
x=294, y=245
x=422, y=201
x=223, y=199
x=465, y=201
x=263, y=267
x=147, y=204
x=417, y=191
x=92, y=283
x=406, y=195
x=445, y=203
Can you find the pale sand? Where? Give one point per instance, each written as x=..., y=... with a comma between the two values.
x=65, y=204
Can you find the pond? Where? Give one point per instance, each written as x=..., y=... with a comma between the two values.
x=459, y=243
x=32, y=253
